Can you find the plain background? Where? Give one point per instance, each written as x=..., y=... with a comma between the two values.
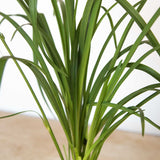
x=15, y=96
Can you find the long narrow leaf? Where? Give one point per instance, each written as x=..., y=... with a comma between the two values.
x=139, y=20
x=54, y=100
x=46, y=122
x=134, y=94
x=2, y=63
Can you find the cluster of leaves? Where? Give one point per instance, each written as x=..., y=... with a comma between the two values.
x=73, y=98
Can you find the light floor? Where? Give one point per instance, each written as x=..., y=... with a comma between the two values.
x=25, y=138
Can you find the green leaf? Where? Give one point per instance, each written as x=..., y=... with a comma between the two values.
x=151, y=122
x=134, y=48
x=72, y=97
x=2, y=67
x=45, y=120
x=24, y=6
x=134, y=94
x=111, y=24
x=51, y=94
x=139, y=20
x=103, y=73
x=2, y=61
x=148, y=70
x=17, y=113
x=142, y=120
x=148, y=98
x=17, y=30
x=89, y=18
x=49, y=44
x=62, y=31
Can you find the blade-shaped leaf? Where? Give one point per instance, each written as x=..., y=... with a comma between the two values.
x=132, y=95
x=142, y=120
x=139, y=20
x=2, y=67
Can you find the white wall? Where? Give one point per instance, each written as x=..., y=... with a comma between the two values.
x=15, y=96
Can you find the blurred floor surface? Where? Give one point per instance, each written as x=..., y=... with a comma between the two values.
x=25, y=138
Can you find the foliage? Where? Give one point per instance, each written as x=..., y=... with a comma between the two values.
x=77, y=92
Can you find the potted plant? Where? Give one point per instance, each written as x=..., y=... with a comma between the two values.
x=77, y=92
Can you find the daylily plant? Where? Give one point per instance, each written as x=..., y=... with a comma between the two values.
x=77, y=92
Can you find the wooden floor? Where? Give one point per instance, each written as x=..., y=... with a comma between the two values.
x=25, y=138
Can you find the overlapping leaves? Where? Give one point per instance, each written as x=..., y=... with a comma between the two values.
x=73, y=98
